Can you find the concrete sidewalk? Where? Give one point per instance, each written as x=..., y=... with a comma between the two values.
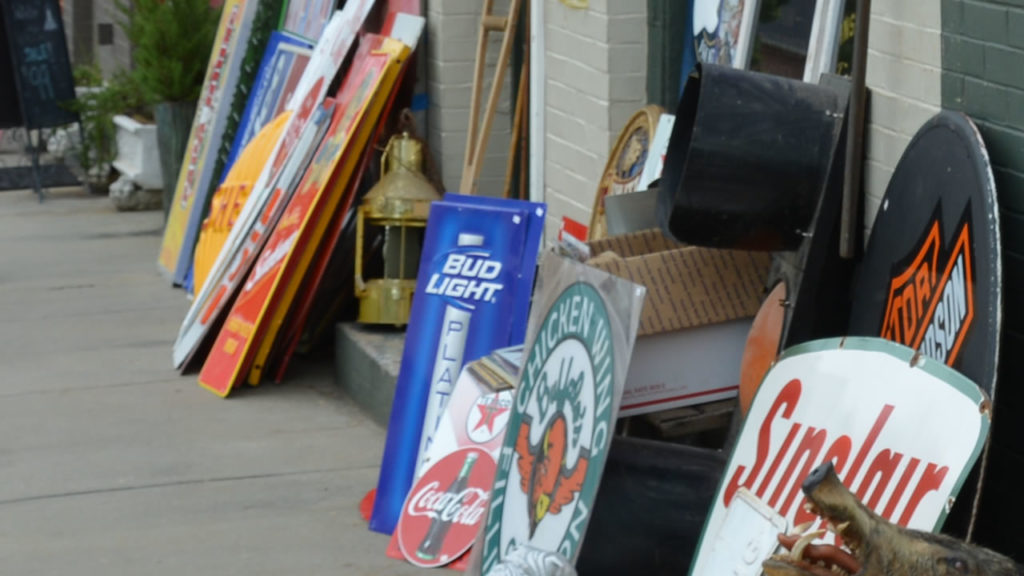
x=111, y=463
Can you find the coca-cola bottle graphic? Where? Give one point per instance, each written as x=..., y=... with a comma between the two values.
x=430, y=547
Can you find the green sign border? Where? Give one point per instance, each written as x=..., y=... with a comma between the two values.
x=588, y=493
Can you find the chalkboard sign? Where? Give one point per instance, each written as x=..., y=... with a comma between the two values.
x=10, y=109
x=38, y=55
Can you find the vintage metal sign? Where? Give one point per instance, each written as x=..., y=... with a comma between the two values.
x=476, y=417
x=931, y=277
x=284, y=62
x=303, y=221
x=445, y=507
x=472, y=295
x=656, y=153
x=902, y=430
x=207, y=127
x=329, y=221
x=231, y=195
x=234, y=260
x=221, y=286
x=581, y=335
x=625, y=166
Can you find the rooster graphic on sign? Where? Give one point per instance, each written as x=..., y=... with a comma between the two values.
x=547, y=481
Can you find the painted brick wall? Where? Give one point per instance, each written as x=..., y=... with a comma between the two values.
x=595, y=80
x=983, y=76
x=983, y=62
x=452, y=30
x=905, y=77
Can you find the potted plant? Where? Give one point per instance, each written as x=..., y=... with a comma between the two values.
x=171, y=43
x=97, y=103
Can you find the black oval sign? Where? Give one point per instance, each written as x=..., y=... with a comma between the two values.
x=931, y=276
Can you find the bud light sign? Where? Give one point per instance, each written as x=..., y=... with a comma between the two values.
x=472, y=297
x=467, y=277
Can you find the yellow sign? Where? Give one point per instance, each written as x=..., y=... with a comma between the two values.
x=207, y=128
x=229, y=198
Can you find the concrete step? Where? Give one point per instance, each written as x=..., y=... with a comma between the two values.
x=366, y=361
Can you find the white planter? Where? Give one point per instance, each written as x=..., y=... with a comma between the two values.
x=138, y=157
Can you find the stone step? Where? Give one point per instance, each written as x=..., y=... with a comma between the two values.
x=366, y=361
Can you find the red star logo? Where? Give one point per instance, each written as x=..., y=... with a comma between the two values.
x=489, y=412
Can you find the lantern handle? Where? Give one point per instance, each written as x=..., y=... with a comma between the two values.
x=386, y=157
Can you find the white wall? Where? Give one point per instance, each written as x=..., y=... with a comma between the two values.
x=596, y=79
x=452, y=32
x=905, y=77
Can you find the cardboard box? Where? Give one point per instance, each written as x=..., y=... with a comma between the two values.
x=693, y=328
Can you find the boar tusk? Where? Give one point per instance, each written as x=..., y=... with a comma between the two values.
x=798, y=548
x=801, y=528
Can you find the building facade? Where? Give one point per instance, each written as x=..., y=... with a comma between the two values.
x=93, y=35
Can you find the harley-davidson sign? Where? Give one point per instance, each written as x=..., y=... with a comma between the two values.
x=931, y=301
x=931, y=277
x=901, y=429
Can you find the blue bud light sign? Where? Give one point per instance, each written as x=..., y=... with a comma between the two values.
x=472, y=297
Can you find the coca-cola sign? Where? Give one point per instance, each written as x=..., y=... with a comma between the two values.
x=445, y=507
x=435, y=502
x=901, y=429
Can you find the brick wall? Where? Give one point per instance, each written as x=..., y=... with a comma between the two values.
x=983, y=75
x=904, y=74
x=452, y=31
x=595, y=80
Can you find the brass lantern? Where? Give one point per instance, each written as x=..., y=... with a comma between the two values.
x=399, y=205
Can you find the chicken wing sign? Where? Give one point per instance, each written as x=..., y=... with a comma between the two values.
x=902, y=430
x=583, y=326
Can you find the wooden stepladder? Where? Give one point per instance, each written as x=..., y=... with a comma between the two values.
x=479, y=131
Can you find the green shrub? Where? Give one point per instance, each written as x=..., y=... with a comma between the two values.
x=171, y=45
x=97, y=105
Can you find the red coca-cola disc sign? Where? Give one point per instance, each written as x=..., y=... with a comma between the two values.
x=444, y=508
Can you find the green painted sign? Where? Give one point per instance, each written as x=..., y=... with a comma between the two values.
x=558, y=435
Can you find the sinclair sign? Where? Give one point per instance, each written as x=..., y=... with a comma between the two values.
x=901, y=429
